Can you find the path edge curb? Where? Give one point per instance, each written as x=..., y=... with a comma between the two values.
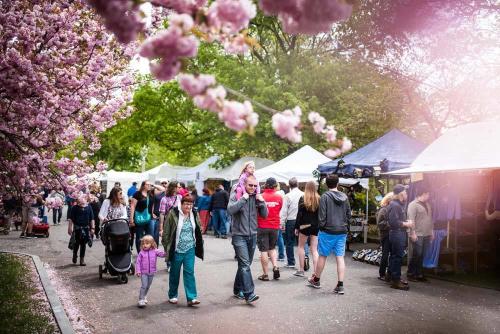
x=60, y=316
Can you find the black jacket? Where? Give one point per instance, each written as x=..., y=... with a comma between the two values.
x=383, y=222
x=396, y=215
x=334, y=212
x=306, y=217
x=220, y=199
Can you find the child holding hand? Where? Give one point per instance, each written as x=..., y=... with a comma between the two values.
x=145, y=266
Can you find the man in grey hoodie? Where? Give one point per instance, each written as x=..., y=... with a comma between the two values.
x=244, y=237
x=334, y=215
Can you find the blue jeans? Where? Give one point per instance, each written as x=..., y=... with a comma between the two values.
x=186, y=261
x=398, y=243
x=156, y=230
x=290, y=241
x=219, y=216
x=244, y=247
x=140, y=231
x=281, y=245
x=415, y=264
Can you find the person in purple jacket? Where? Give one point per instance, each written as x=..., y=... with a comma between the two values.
x=145, y=266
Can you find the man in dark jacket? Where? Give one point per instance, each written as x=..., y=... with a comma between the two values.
x=397, y=235
x=220, y=199
x=244, y=212
x=334, y=215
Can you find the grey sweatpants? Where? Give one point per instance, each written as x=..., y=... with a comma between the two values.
x=146, y=280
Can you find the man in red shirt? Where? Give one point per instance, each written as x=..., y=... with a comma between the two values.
x=267, y=229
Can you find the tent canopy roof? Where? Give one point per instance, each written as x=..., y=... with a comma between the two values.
x=472, y=146
x=196, y=172
x=299, y=164
x=232, y=172
x=396, y=147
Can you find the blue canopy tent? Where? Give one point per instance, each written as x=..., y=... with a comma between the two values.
x=392, y=151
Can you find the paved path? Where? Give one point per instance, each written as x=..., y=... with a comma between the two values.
x=287, y=305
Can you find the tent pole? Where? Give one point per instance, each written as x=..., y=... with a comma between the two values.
x=365, y=229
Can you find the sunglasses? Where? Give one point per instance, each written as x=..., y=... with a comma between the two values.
x=252, y=185
x=164, y=183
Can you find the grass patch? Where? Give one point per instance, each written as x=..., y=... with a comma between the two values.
x=20, y=312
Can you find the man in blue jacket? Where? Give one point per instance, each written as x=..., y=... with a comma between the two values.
x=397, y=235
x=334, y=215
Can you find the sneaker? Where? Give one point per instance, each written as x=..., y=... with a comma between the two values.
x=141, y=303
x=30, y=236
x=291, y=266
x=146, y=300
x=223, y=236
x=312, y=283
x=239, y=295
x=193, y=302
x=173, y=300
x=22, y=236
x=252, y=299
x=299, y=273
x=339, y=290
x=276, y=273
x=281, y=260
x=306, y=263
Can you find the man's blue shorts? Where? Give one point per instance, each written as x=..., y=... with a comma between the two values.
x=328, y=243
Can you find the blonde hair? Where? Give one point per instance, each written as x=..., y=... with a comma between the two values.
x=246, y=165
x=387, y=199
x=311, y=196
x=150, y=240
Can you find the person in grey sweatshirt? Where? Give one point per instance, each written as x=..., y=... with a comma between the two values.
x=244, y=213
x=334, y=215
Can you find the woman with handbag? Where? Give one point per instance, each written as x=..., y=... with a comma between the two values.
x=141, y=205
x=307, y=225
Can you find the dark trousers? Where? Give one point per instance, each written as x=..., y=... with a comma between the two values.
x=386, y=250
x=244, y=247
x=56, y=215
x=140, y=231
x=419, y=247
x=397, y=239
x=290, y=241
x=219, y=217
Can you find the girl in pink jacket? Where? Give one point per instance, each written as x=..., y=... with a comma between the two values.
x=145, y=266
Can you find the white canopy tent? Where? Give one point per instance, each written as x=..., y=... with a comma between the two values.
x=468, y=147
x=300, y=164
x=232, y=172
x=195, y=174
x=125, y=179
x=164, y=171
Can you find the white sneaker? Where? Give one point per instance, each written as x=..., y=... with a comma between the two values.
x=146, y=300
x=141, y=303
x=173, y=300
x=299, y=273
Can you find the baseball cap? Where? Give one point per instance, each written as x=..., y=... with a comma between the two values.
x=398, y=188
x=271, y=182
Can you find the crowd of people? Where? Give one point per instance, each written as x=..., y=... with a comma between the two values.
x=270, y=220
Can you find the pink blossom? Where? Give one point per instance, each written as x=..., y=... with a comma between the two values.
x=317, y=121
x=331, y=134
x=231, y=16
x=236, y=45
x=346, y=145
x=307, y=16
x=238, y=116
x=195, y=85
x=181, y=6
x=332, y=153
x=286, y=125
x=212, y=100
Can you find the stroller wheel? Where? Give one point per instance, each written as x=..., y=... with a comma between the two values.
x=100, y=271
x=47, y=234
x=132, y=269
x=123, y=278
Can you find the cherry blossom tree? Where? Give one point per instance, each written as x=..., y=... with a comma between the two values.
x=62, y=78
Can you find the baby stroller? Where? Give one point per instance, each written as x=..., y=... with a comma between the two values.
x=115, y=236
